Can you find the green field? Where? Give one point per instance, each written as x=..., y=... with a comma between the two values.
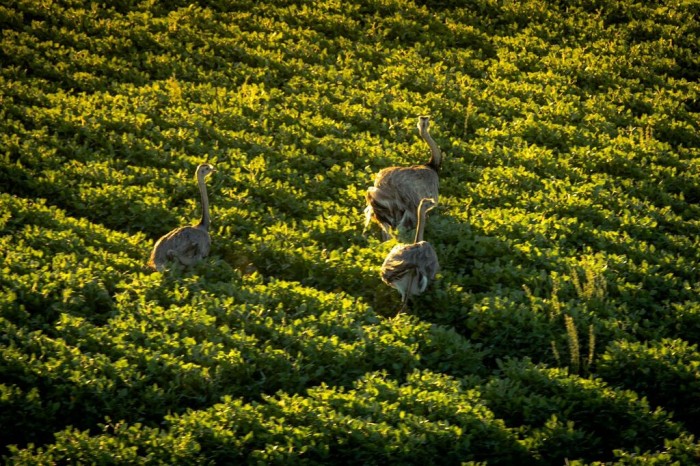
x=563, y=327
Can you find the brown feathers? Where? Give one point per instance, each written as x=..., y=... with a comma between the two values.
x=188, y=244
x=393, y=200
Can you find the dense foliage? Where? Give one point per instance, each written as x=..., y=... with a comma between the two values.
x=563, y=327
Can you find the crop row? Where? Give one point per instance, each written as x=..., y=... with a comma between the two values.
x=564, y=325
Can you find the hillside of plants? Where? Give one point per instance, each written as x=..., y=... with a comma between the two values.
x=563, y=327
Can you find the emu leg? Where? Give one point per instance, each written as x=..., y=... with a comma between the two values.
x=404, y=303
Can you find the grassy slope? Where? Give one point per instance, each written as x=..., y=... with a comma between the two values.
x=564, y=324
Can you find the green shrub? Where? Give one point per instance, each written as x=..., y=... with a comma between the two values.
x=567, y=232
x=664, y=371
x=541, y=400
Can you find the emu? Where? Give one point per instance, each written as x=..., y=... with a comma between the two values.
x=187, y=244
x=410, y=267
x=393, y=200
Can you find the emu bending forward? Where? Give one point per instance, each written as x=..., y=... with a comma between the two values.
x=393, y=200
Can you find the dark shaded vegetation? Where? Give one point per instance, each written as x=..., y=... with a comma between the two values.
x=564, y=325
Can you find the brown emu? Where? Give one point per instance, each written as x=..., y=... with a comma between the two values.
x=410, y=267
x=393, y=200
x=187, y=244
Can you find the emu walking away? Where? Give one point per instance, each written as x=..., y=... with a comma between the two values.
x=410, y=267
x=393, y=200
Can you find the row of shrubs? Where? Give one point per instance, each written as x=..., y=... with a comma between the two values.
x=564, y=324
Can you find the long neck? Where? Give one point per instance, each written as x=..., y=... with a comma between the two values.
x=421, y=223
x=204, y=222
x=435, y=154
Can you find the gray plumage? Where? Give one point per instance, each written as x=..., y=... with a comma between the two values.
x=410, y=267
x=393, y=200
x=187, y=244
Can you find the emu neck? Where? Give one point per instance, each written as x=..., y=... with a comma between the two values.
x=205, y=221
x=421, y=224
x=435, y=154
